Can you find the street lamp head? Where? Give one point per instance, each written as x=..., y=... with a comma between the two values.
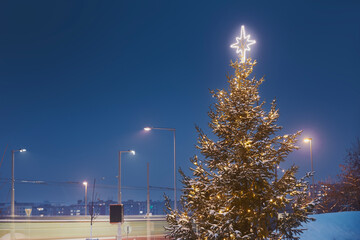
x=132, y=152
x=147, y=129
x=85, y=183
x=307, y=140
x=22, y=150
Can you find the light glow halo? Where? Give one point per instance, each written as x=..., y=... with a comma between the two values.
x=243, y=44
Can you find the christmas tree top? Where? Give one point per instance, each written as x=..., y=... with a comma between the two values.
x=243, y=44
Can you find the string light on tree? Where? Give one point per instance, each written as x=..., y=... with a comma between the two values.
x=234, y=192
x=243, y=44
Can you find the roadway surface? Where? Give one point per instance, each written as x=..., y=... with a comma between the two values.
x=71, y=227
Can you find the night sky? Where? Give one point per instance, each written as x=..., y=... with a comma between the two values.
x=79, y=80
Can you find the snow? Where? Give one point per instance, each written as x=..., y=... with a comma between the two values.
x=333, y=226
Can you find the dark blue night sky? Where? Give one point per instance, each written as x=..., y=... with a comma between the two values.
x=80, y=79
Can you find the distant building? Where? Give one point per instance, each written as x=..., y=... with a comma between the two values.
x=101, y=207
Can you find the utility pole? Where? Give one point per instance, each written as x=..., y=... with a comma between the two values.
x=148, y=193
x=13, y=180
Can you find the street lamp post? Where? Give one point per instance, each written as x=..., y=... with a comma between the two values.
x=174, y=134
x=118, y=237
x=309, y=140
x=13, y=180
x=148, y=191
x=85, y=184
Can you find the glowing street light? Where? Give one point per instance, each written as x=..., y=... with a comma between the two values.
x=309, y=140
x=85, y=184
x=118, y=237
x=174, y=132
x=13, y=180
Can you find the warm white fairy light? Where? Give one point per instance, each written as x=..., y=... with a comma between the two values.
x=243, y=44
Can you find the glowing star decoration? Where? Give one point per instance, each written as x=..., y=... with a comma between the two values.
x=243, y=44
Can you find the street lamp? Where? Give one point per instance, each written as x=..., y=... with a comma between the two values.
x=174, y=132
x=85, y=184
x=309, y=140
x=13, y=180
x=118, y=237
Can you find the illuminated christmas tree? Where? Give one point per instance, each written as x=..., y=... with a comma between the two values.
x=234, y=191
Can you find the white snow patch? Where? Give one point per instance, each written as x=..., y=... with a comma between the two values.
x=333, y=226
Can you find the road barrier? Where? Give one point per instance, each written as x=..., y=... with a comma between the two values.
x=79, y=227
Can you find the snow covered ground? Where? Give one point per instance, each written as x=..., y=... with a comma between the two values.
x=333, y=226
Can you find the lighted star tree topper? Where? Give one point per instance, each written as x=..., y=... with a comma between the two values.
x=243, y=44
